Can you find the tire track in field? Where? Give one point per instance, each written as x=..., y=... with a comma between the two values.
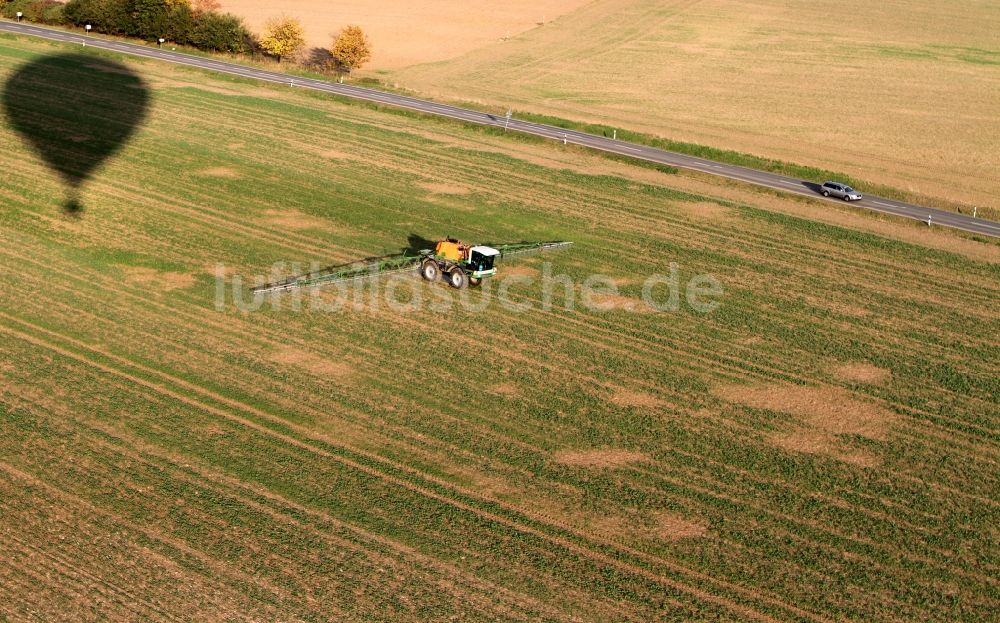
x=485, y=514
x=167, y=541
x=131, y=446
x=116, y=593
x=859, y=541
x=35, y=594
x=211, y=478
x=204, y=478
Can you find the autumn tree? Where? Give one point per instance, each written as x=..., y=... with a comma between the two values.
x=351, y=48
x=283, y=37
x=200, y=7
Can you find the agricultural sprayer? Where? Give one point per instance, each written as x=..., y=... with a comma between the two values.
x=460, y=264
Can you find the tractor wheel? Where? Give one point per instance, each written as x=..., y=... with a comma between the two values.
x=429, y=270
x=457, y=278
x=475, y=281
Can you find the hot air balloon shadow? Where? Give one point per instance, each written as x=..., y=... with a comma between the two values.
x=76, y=111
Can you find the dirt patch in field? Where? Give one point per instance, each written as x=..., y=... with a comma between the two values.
x=821, y=415
x=311, y=362
x=599, y=458
x=846, y=309
x=672, y=527
x=222, y=172
x=505, y=272
x=508, y=390
x=332, y=154
x=220, y=270
x=7, y=371
x=707, y=211
x=661, y=526
x=295, y=220
x=158, y=280
x=629, y=398
x=445, y=189
x=617, y=302
x=862, y=372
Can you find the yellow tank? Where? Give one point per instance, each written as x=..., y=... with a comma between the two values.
x=450, y=249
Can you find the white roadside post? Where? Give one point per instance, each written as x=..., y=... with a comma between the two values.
x=510, y=112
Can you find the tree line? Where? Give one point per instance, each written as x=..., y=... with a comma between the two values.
x=198, y=24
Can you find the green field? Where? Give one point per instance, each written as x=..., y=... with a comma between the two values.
x=821, y=447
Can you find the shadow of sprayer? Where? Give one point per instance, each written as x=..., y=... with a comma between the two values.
x=76, y=111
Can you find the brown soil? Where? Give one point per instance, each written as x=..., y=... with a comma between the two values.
x=293, y=219
x=627, y=398
x=224, y=172
x=163, y=281
x=838, y=307
x=821, y=414
x=661, y=526
x=860, y=372
x=311, y=362
x=220, y=271
x=445, y=189
x=599, y=458
x=508, y=390
x=616, y=302
x=518, y=271
x=333, y=154
x=707, y=211
x=673, y=527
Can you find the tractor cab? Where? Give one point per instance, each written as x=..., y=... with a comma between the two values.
x=481, y=262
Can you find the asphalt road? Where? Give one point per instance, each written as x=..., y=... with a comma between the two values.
x=760, y=178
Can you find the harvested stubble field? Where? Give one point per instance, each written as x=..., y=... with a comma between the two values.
x=900, y=92
x=821, y=447
x=404, y=32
